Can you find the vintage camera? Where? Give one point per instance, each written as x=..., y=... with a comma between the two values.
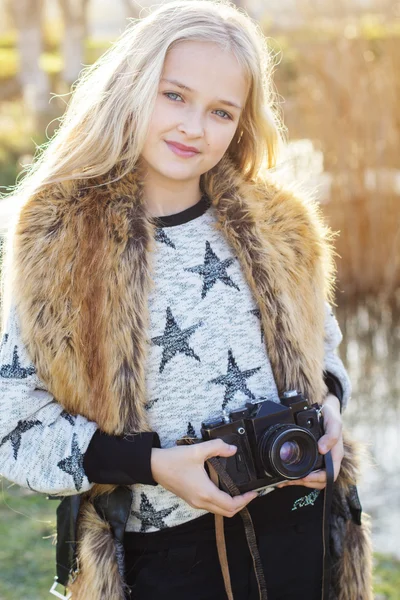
x=275, y=442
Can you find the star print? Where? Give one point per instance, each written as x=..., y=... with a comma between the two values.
x=234, y=380
x=213, y=270
x=15, y=435
x=174, y=340
x=257, y=313
x=150, y=517
x=14, y=370
x=73, y=464
x=150, y=403
x=70, y=418
x=4, y=340
x=161, y=236
x=190, y=430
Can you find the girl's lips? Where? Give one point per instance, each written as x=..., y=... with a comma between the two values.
x=180, y=152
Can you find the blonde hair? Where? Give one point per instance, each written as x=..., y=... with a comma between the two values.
x=111, y=104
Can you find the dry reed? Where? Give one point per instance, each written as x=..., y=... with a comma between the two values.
x=346, y=99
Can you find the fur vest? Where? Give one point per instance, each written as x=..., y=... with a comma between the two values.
x=82, y=266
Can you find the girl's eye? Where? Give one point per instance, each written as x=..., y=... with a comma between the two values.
x=226, y=118
x=172, y=94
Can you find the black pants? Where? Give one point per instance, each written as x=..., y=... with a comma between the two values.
x=183, y=564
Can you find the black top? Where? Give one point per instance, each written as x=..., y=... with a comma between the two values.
x=184, y=216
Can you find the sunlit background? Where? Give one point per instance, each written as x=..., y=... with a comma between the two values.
x=338, y=79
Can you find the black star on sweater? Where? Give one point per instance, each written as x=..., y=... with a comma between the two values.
x=257, y=313
x=234, y=380
x=150, y=517
x=213, y=270
x=70, y=418
x=73, y=464
x=161, y=236
x=174, y=340
x=150, y=403
x=15, y=435
x=4, y=340
x=14, y=370
x=190, y=430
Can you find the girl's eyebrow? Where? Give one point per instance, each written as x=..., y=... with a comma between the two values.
x=187, y=88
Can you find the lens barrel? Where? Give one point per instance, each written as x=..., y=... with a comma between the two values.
x=288, y=451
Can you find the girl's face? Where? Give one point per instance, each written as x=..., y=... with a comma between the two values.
x=201, y=95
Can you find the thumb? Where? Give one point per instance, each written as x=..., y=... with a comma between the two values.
x=217, y=448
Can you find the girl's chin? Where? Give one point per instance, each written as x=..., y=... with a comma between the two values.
x=174, y=171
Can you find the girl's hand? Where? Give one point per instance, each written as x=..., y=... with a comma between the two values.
x=331, y=440
x=180, y=470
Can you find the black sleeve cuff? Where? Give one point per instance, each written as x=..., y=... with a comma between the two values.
x=121, y=460
x=334, y=386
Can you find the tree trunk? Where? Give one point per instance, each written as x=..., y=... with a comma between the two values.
x=27, y=16
x=74, y=13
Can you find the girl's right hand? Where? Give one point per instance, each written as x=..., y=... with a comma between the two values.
x=180, y=470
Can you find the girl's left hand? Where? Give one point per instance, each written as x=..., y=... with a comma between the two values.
x=331, y=440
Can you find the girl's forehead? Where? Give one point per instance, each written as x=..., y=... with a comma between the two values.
x=194, y=65
x=198, y=51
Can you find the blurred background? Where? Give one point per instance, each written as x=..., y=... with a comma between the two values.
x=337, y=75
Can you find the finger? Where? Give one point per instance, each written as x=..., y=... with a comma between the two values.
x=337, y=457
x=229, y=503
x=331, y=438
x=215, y=448
x=315, y=485
x=316, y=477
x=216, y=508
x=211, y=494
x=333, y=433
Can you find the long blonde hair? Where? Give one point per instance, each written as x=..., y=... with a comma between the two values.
x=111, y=104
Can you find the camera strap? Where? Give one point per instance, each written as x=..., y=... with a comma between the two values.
x=326, y=566
x=218, y=472
x=217, y=475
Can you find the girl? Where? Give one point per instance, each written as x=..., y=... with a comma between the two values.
x=157, y=277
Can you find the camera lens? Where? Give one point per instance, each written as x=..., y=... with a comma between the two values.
x=288, y=451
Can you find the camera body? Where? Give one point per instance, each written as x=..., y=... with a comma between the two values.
x=275, y=442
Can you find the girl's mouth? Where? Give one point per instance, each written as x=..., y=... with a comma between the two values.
x=180, y=152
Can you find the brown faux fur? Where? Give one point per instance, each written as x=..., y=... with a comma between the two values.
x=97, y=555
x=83, y=264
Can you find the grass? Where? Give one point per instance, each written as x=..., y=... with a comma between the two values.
x=27, y=554
x=387, y=577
